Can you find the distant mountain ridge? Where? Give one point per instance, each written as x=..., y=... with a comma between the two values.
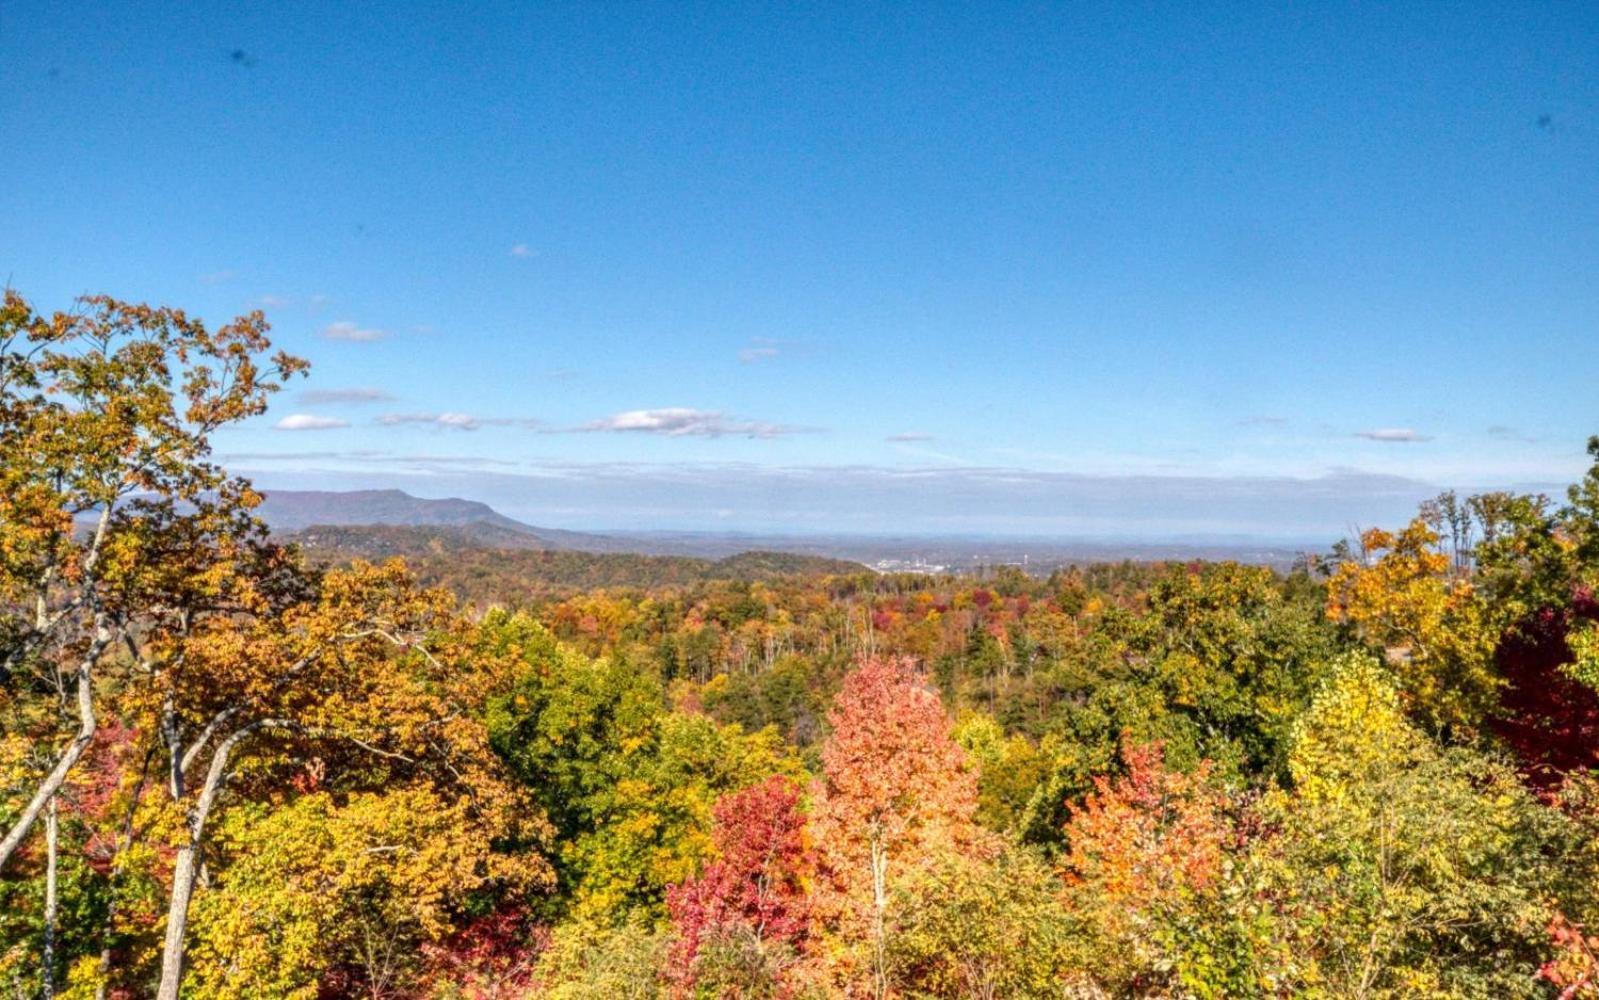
x=484, y=570
x=330, y=519
x=291, y=511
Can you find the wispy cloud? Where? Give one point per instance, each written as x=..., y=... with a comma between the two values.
x=281, y=301
x=909, y=437
x=218, y=277
x=677, y=421
x=346, y=330
x=451, y=421
x=761, y=349
x=1393, y=435
x=382, y=462
x=447, y=421
x=357, y=394
x=310, y=422
x=1504, y=433
x=522, y=250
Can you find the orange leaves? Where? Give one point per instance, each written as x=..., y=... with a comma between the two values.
x=105, y=414
x=896, y=789
x=1575, y=967
x=891, y=769
x=1149, y=858
x=1150, y=836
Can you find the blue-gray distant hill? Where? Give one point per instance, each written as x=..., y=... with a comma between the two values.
x=294, y=511
x=486, y=557
x=378, y=523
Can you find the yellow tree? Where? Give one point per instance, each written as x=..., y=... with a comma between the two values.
x=106, y=413
x=1406, y=598
x=1398, y=867
x=371, y=678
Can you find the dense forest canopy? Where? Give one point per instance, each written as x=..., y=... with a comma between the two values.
x=228, y=770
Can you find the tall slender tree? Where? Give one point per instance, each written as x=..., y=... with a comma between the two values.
x=895, y=786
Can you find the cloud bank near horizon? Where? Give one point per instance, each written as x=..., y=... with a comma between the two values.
x=872, y=499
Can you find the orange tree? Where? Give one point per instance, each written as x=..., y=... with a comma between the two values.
x=372, y=809
x=895, y=788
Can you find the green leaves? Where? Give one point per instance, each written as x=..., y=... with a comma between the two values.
x=628, y=784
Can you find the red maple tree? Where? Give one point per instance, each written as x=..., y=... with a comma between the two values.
x=752, y=897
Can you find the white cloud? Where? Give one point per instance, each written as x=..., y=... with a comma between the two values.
x=346, y=330
x=454, y=421
x=448, y=421
x=1393, y=435
x=522, y=250
x=318, y=397
x=310, y=422
x=909, y=437
x=677, y=421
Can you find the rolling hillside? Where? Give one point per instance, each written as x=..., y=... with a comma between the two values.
x=484, y=563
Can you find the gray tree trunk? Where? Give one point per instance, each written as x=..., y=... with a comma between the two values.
x=53, y=781
x=186, y=867
x=52, y=833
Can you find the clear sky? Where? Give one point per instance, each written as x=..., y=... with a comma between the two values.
x=1060, y=269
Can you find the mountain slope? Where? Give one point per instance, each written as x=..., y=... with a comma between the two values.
x=288, y=511
x=291, y=510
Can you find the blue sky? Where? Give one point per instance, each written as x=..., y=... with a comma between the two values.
x=1055, y=269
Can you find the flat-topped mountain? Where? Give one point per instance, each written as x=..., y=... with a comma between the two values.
x=290, y=511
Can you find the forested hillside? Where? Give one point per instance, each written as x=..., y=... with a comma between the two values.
x=229, y=771
x=483, y=566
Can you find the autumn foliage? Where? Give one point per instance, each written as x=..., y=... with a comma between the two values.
x=229, y=771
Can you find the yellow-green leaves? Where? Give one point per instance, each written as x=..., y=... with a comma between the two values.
x=1353, y=733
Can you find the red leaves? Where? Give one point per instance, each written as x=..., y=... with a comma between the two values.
x=1575, y=967
x=891, y=763
x=754, y=890
x=1548, y=718
x=492, y=957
